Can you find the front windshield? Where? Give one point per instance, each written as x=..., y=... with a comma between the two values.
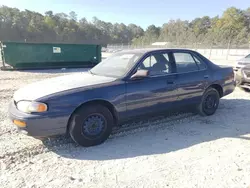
x=248, y=56
x=117, y=65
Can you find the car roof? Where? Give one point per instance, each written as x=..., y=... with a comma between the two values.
x=146, y=50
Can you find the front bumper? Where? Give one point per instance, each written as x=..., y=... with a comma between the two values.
x=38, y=125
x=242, y=76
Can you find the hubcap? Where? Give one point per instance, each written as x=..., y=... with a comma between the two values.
x=210, y=102
x=93, y=125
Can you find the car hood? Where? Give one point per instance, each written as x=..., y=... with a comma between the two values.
x=62, y=83
x=244, y=60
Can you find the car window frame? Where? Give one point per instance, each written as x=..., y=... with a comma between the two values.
x=153, y=53
x=157, y=52
x=171, y=60
x=192, y=55
x=201, y=61
x=145, y=59
x=247, y=56
x=146, y=55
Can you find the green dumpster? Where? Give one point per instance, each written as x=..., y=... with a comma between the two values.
x=41, y=56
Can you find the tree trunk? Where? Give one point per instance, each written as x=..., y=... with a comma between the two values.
x=228, y=47
x=210, y=52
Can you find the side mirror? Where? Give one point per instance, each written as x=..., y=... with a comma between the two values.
x=140, y=74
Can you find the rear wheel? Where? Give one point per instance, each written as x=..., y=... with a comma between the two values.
x=209, y=102
x=91, y=125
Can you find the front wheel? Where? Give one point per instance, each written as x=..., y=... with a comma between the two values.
x=209, y=102
x=91, y=125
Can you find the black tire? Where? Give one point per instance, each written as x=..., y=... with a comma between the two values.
x=209, y=102
x=80, y=131
x=245, y=89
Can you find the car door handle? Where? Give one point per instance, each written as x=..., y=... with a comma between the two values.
x=170, y=82
x=206, y=76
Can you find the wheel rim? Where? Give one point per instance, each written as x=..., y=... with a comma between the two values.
x=210, y=103
x=94, y=125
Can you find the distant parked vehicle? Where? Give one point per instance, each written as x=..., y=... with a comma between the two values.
x=243, y=62
x=104, y=49
x=242, y=76
x=126, y=85
x=242, y=72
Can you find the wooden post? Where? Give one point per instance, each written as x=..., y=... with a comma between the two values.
x=228, y=48
x=210, y=51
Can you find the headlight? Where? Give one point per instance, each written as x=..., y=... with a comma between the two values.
x=30, y=106
x=246, y=73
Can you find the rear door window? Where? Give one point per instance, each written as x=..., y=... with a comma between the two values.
x=200, y=64
x=185, y=62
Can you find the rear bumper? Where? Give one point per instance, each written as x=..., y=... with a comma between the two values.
x=38, y=125
x=228, y=88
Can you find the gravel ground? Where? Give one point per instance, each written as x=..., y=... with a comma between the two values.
x=184, y=150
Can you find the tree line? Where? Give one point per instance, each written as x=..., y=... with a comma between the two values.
x=233, y=27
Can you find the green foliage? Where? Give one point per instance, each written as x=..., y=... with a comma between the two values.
x=16, y=25
x=233, y=27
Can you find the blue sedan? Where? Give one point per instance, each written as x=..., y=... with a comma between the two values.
x=126, y=85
